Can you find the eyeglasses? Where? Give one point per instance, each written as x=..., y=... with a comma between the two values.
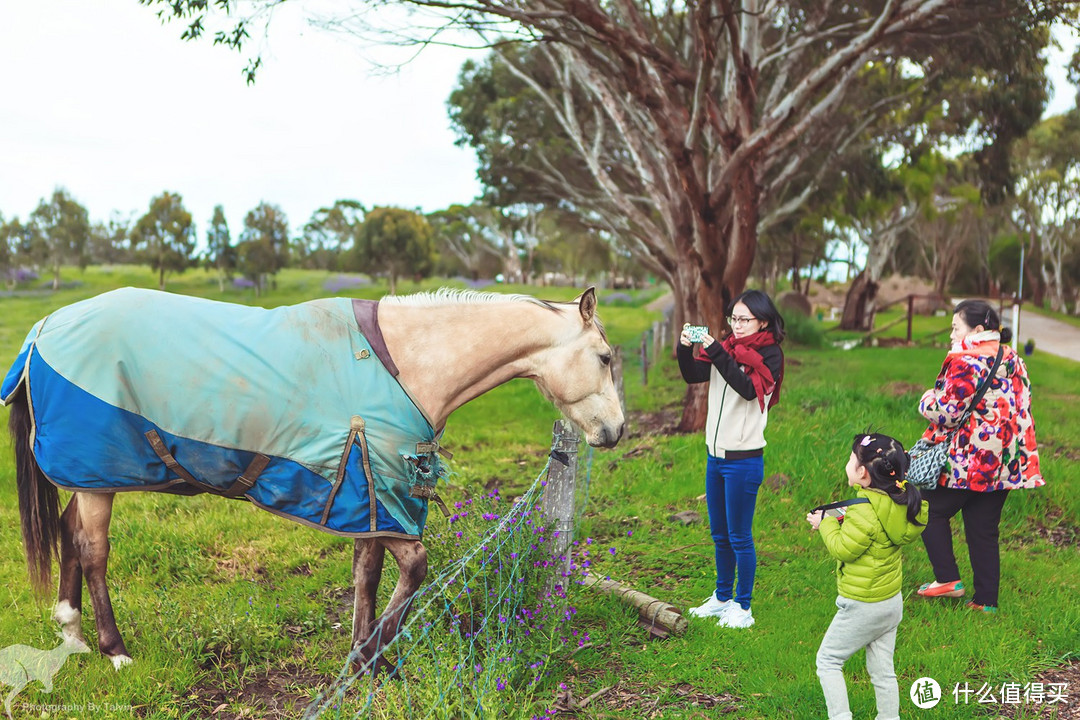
x=733, y=321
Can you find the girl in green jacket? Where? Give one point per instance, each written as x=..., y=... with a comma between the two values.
x=866, y=544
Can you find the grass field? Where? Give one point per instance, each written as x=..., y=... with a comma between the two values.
x=231, y=612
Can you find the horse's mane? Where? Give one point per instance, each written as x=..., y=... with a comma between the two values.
x=449, y=296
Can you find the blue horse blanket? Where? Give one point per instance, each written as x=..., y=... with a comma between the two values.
x=292, y=408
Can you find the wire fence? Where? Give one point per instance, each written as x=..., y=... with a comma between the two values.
x=485, y=629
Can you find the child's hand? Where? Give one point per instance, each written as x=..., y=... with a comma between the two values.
x=815, y=519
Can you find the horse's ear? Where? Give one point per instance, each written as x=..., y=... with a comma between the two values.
x=587, y=305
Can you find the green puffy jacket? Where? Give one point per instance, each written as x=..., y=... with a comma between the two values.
x=867, y=546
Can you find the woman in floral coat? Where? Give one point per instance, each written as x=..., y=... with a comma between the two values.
x=993, y=453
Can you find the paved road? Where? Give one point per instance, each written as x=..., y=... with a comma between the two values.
x=1050, y=335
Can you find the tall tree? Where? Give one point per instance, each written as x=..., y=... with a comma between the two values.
x=396, y=241
x=164, y=237
x=220, y=253
x=678, y=127
x=264, y=244
x=464, y=233
x=9, y=234
x=109, y=241
x=61, y=230
x=330, y=233
x=1047, y=205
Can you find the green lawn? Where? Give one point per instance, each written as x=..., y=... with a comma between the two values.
x=227, y=607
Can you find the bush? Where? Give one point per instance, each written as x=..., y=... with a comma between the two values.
x=803, y=331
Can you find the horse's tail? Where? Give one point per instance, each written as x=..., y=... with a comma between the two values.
x=39, y=501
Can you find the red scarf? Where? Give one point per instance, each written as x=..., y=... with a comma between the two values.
x=744, y=351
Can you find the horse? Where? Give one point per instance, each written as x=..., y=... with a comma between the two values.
x=277, y=407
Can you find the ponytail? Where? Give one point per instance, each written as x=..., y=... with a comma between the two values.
x=980, y=312
x=887, y=463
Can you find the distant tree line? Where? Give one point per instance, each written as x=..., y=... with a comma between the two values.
x=524, y=244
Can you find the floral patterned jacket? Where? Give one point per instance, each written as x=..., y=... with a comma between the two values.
x=995, y=449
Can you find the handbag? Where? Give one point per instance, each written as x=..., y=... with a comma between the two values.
x=929, y=460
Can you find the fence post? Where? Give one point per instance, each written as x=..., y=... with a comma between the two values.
x=558, y=499
x=617, y=376
x=910, y=312
x=645, y=358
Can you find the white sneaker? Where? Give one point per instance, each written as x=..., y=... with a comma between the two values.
x=735, y=617
x=710, y=608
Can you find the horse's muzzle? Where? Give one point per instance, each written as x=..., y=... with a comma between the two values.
x=609, y=437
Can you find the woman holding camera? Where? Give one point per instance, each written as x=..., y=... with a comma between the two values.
x=744, y=373
x=993, y=453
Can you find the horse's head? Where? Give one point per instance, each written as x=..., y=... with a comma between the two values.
x=575, y=374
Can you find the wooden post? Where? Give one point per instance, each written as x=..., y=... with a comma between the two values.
x=645, y=358
x=657, y=340
x=910, y=312
x=558, y=500
x=617, y=376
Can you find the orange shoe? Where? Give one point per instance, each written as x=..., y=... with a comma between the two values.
x=949, y=589
x=982, y=608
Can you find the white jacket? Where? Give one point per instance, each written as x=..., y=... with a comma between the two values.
x=735, y=420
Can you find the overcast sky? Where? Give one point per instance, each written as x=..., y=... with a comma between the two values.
x=98, y=97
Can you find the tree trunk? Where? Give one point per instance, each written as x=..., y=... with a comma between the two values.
x=695, y=408
x=859, y=303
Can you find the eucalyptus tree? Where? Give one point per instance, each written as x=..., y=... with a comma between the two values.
x=1047, y=208
x=109, y=241
x=397, y=242
x=331, y=233
x=684, y=128
x=464, y=233
x=164, y=237
x=220, y=252
x=263, y=249
x=10, y=231
x=60, y=230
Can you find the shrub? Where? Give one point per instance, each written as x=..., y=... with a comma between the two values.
x=803, y=331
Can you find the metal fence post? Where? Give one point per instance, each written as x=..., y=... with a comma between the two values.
x=558, y=500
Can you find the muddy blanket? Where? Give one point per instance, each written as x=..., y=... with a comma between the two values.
x=291, y=408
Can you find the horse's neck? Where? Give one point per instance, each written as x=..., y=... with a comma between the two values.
x=448, y=355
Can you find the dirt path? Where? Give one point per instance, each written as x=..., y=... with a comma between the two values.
x=1050, y=335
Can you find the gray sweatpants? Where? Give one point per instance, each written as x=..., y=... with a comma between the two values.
x=857, y=625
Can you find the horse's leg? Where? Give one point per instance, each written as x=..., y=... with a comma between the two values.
x=368, y=557
x=92, y=545
x=411, y=557
x=68, y=610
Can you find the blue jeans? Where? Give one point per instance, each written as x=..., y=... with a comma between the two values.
x=731, y=488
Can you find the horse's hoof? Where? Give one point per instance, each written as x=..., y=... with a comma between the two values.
x=386, y=670
x=120, y=661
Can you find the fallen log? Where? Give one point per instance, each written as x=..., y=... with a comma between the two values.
x=659, y=617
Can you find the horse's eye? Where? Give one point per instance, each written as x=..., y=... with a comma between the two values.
x=605, y=358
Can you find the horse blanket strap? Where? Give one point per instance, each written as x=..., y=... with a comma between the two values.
x=367, y=318
x=293, y=407
x=433, y=447
x=238, y=488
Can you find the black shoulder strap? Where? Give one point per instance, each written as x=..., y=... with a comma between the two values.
x=984, y=385
x=840, y=504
